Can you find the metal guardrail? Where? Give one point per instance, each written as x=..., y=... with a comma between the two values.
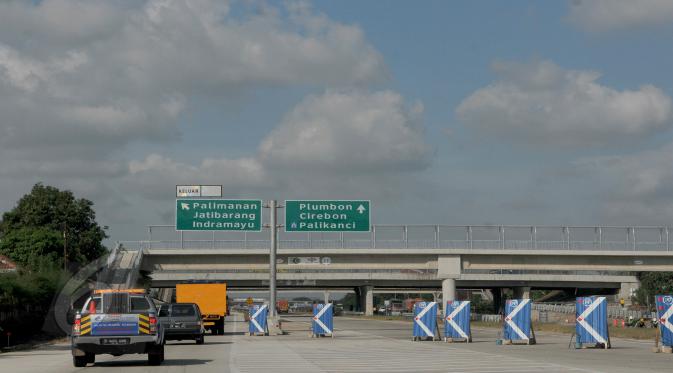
x=134, y=272
x=494, y=237
x=616, y=312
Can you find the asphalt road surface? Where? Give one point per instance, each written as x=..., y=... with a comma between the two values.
x=359, y=346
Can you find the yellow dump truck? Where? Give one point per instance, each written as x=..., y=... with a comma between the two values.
x=212, y=300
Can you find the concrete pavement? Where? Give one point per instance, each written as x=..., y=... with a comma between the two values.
x=359, y=346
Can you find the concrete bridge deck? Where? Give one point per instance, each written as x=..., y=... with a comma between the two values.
x=424, y=257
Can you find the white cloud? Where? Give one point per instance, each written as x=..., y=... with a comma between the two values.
x=155, y=172
x=543, y=103
x=117, y=72
x=351, y=131
x=81, y=81
x=604, y=15
x=333, y=145
x=639, y=186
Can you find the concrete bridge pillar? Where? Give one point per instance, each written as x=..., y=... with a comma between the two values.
x=498, y=304
x=366, y=293
x=521, y=292
x=449, y=268
x=626, y=291
x=326, y=297
x=448, y=292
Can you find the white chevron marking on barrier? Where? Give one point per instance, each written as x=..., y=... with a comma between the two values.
x=665, y=319
x=317, y=317
x=418, y=321
x=581, y=319
x=511, y=316
x=453, y=314
x=253, y=319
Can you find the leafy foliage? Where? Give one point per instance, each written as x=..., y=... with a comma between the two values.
x=43, y=219
x=652, y=283
x=34, y=235
x=28, y=245
x=27, y=295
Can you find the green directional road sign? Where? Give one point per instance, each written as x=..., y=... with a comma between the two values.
x=327, y=216
x=218, y=215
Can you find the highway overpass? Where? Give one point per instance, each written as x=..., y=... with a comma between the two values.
x=423, y=257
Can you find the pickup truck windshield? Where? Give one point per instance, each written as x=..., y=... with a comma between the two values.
x=115, y=302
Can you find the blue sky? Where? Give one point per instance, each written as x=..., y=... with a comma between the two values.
x=460, y=112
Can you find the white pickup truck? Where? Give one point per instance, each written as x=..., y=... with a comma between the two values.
x=117, y=322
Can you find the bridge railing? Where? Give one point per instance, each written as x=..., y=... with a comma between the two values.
x=494, y=237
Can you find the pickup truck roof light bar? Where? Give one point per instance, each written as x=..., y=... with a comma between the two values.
x=134, y=291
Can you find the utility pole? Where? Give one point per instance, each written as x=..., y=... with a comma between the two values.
x=65, y=246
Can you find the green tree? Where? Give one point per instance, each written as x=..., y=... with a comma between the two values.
x=46, y=220
x=28, y=245
x=653, y=283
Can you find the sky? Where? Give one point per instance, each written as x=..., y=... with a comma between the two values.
x=439, y=112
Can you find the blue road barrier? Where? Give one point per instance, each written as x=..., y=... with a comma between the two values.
x=258, y=315
x=591, y=316
x=457, y=321
x=425, y=320
x=517, y=326
x=664, y=312
x=323, y=320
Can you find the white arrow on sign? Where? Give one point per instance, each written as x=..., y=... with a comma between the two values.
x=581, y=319
x=185, y=206
x=510, y=319
x=420, y=315
x=453, y=315
x=361, y=209
x=253, y=319
x=664, y=320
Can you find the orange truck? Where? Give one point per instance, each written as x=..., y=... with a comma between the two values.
x=211, y=299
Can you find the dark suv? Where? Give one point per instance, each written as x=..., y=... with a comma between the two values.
x=182, y=321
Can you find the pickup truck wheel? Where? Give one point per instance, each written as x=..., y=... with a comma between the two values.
x=79, y=361
x=156, y=355
x=90, y=357
x=154, y=359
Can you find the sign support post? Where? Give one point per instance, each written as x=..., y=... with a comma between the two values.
x=272, y=258
x=275, y=327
